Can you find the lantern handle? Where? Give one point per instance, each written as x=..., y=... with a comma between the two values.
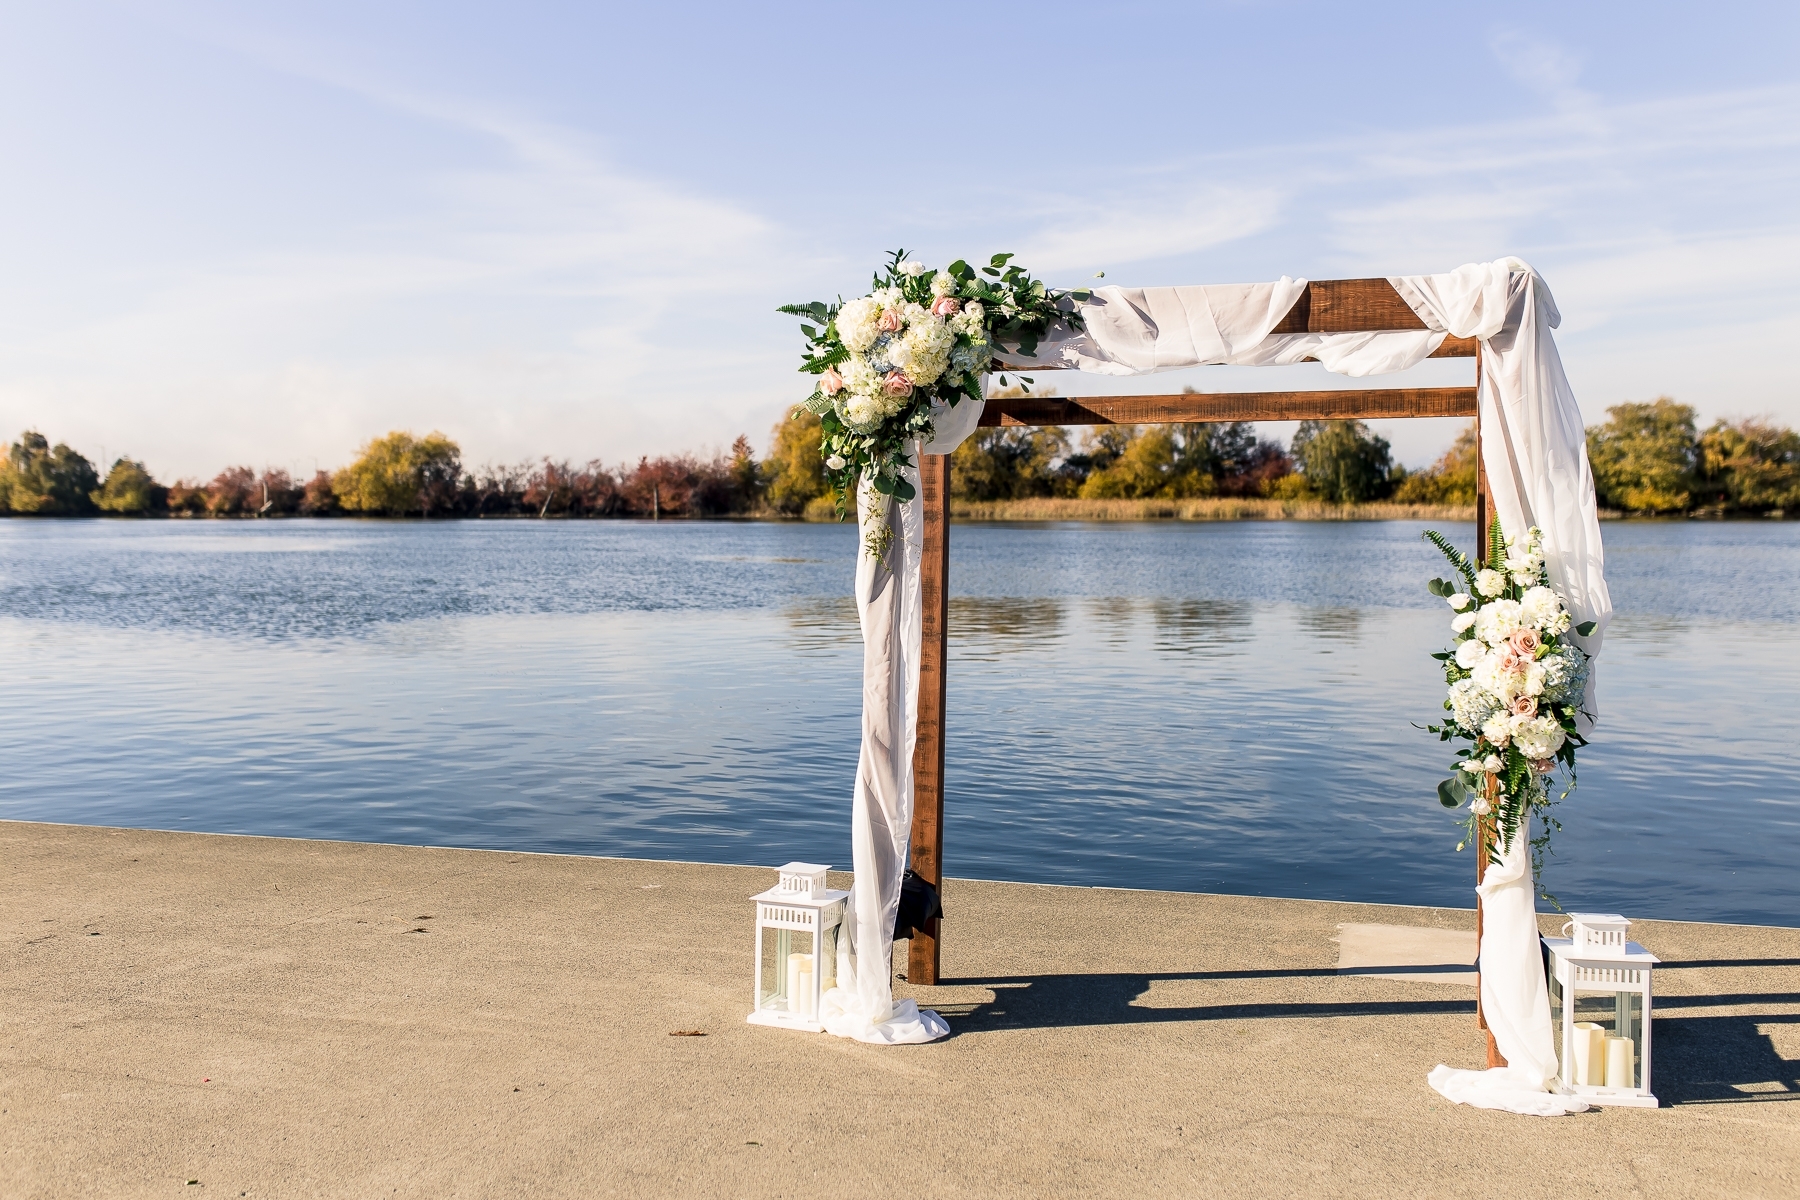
x=1567, y=925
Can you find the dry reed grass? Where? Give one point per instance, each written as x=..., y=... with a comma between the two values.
x=1211, y=509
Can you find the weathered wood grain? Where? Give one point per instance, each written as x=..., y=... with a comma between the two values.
x=928, y=751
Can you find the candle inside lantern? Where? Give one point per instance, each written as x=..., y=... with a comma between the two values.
x=1619, y=1068
x=1590, y=1053
x=799, y=981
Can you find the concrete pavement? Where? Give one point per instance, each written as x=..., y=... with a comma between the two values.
x=193, y=1015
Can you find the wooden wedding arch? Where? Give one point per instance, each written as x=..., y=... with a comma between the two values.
x=1326, y=306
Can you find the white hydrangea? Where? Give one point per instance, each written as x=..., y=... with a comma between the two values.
x=914, y=313
x=1538, y=737
x=1472, y=704
x=923, y=351
x=1490, y=583
x=1495, y=620
x=859, y=377
x=1538, y=606
x=975, y=315
x=862, y=412
x=856, y=324
x=889, y=297
x=1498, y=729
x=943, y=284
x=1533, y=679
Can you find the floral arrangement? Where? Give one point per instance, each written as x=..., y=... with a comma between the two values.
x=919, y=337
x=1515, y=684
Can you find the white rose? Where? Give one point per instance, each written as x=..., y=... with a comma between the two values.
x=1525, y=579
x=1470, y=653
x=1473, y=766
x=1481, y=807
x=1493, y=764
x=1490, y=583
x=1461, y=622
x=836, y=463
x=912, y=267
x=1459, y=601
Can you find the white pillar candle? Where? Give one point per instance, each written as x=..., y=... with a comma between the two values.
x=793, y=982
x=807, y=1009
x=1589, y=1051
x=1619, y=1067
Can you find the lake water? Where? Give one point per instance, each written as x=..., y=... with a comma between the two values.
x=1205, y=707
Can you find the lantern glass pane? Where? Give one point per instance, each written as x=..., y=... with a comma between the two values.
x=777, y=968
x=827, y=964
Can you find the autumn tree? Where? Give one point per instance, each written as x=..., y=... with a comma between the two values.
x=1450, y=480
x=1750, y=466
x=1343, y=461
x=129, y=490
x=1644, y=457
x=399, y=475
x=795, y=470
x=52, y=481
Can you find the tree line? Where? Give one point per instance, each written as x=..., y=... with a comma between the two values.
x=1647, y=458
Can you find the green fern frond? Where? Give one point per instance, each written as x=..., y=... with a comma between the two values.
x=1496, y=544
x=1457, y=558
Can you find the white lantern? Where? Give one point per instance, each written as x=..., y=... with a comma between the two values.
x=1600, y=1006
x=797, y=926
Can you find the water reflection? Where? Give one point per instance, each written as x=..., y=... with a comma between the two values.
x=1332, y=624
x=1139, y=706
x=1196, y=626
x=987, y=626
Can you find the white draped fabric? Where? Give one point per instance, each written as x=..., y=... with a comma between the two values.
x=1535, y=452
x=888, y=607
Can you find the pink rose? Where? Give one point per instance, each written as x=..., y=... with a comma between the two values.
x=1524, y=643
x=831, y=383
x=946, y=306
x=895, y=383
x=1524, y=706
x=1510, y=661
x=890, y=321
x=1543, y=766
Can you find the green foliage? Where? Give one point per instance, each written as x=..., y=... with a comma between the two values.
x=1014, y=463
x=795, y=468
x=1750, y=466
x=1343, y=461
x=39, y=479
x=1450, y=480
x=129, y=490
x=399, y=475
x=1645, y=457
x=1178, y=462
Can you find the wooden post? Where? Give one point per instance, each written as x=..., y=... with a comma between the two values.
x=1484, y=826
x=922, y=959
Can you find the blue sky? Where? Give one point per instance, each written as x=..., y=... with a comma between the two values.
x=265, y=233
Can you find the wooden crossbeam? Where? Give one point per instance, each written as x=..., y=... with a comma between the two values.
x=1348, y=306
x=1338, y=405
